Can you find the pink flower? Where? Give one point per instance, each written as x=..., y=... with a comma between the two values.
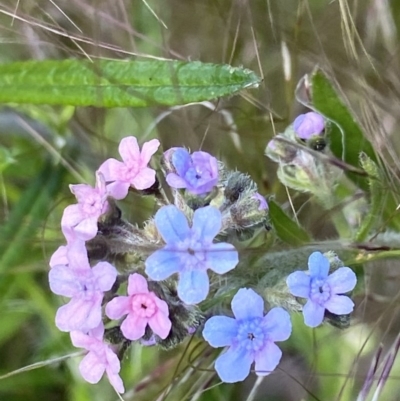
x=60, y=256
x=80, y=220
x=99, y=359
x=85, y=286
x=141, y=307
x=133, y=171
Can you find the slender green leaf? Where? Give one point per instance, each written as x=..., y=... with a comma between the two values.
x=117, y=83
x=346, y=137
x=286, y=229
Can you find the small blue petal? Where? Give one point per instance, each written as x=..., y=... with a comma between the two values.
x=181, y=160
x=277, y=324
x=340, y=305
x=193, y=286
x=313, y=314
x=220, y=330
x=342, y=280
x=299, y=284
x=234, y=365
x=318, y=265
x=247, y=304
x=222, y=257
x=162, y=264
x=172, y=224
x=206, y=223
x=267, y=359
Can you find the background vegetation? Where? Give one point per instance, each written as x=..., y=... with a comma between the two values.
x=43, y=149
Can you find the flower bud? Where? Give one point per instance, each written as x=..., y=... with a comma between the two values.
x=308, y=125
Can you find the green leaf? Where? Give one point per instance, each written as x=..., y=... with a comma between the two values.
x=346, y=137
x=286, y=229
x=117, y=83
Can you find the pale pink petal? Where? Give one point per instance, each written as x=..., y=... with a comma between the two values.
x=62, y=281
x=101, y=182
x=144, y=179
x=81, y=191
x=87, y=228
x=81, y=340
x=79, y=314
x=72, y=216
x=118, y=189
x=59, y=257
x=148, y=150
x=105, y=275
x=161, y=305
x=118, y=307
x=160, y=324
x=92, y=368
x=116, y=381
x=129, y=150
x=111, y=169
x=137, y=284
x=174, y=181
x=133, y=327
x=77, y=256
x=113, y=363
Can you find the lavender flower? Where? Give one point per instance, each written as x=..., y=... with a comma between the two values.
x=80, y=220
x=85, y=286
x=322, y=291
x=133, y=170
x=251, y=337
x=190, y=251
x=99, y=360
x=198, y=173
x=309, y=124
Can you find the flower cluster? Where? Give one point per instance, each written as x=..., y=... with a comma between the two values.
x=128, y=283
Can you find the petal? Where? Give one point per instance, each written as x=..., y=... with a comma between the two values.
x=129, y=150
x=278, y=325
x=79, y=314
x=339, y=305
x=113, y=363
x=162, y=264
x=133, y=327
x=193, y=286
x=148, y=150
x=318, y=265
x=92, y=368
x=234, y=365
x=63, y=281
x=137, y=284
x=86, y=229
x=111, y=169
x=59, y=257
x=222, y=257
x=81, y=191
x=72, y=215
x=160, y=324
x=247, y=304
x=299, y=284
x=118, y=307
x=342, y=280
x=313, y=314
x=105, y=275
x=116, y=381
x=172, y=224
x=207, y=223
x=77, y=256
x=220, y=330
x=118, y=189
x=267, y=359
x=144, y=179
x=181, y=160
x=175, y=181
x=82, y=340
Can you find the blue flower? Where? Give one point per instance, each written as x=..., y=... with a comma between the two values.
x=309, y=124
x=198, y=173
x=190, y=251
x=251, y=337
x=322, y=291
